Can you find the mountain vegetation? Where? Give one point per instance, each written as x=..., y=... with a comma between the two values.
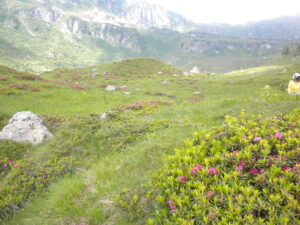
x=131, y=135
x=43, y=35
x=96, y=169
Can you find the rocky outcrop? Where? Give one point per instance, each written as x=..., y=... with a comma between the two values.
x=49, y=16
x=26, y=127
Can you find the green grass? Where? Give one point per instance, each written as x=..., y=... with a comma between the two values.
x=124, y=161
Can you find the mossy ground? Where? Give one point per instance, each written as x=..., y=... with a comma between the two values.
x=86, y=194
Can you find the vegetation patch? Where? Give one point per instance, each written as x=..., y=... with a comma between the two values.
x=25, y=87
x=3, y=78
x=244, y=172
x=31, y=77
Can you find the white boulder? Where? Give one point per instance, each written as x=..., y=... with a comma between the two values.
x=26, y=127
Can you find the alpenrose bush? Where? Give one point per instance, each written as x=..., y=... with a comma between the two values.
x=244, y=172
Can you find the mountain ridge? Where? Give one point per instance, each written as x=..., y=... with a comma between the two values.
x=41, y=35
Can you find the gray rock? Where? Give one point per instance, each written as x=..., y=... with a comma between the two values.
x=26, y=127
x=110, y=88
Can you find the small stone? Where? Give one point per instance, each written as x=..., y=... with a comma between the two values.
x=103, y=115
x=165, y=82
x=110, y=88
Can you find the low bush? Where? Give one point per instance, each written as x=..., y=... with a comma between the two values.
x=10, y=153
x=25, y=87
x=28, y=77
x=244, y=172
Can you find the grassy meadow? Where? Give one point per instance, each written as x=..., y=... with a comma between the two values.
x=154, y=108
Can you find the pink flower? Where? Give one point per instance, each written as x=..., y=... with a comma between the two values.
x=212, y=171
x=198, y=166
x=182, y=179
x=234, y=153
x=194, y=170
x=262, y=171
x=10, y=161
x=241, y=165
x=292, y=124
x=15, y=165
x=278, y=135
x=244, y=136
x=257, y=139
x=253, y=172
x=285, y=168
x=273, y=156
x=5, y=164
x=172, y=206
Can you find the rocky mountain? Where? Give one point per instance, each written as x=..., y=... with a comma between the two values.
x=285, y=28
x=41, y=35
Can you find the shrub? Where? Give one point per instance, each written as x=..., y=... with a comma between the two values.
x=25, y=87
x=102, y=85
x=10, y=152
x=52, y=120
x=244, y=172
x=28, y=77
x=3, y=78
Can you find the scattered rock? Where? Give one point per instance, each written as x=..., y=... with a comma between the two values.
x=159, y=72
x=195, y=70
x=187, y=74
x=26, y=127
x=127, y=93
x=110, y=88
x=103, y=115
x=197, y=92
x=165, y=82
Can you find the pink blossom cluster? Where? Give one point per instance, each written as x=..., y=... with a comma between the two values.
x=241, y=165
x=257, y=139
x=212, y=171
x=278, y=135
x=285, y=168
x=172, y=206
x=11, y=163
x=196, y=168
x=256, y=171
x=182, y=179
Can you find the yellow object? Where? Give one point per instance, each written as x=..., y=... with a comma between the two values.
x=294, y=87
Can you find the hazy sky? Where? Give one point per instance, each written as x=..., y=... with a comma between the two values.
x=231, y=11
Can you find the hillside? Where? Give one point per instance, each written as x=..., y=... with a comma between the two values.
x=43, y=35
x=94, y=159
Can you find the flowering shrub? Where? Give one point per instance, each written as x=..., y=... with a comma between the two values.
x=142, y=107
x=52, y=120
x=3, y=78
x=244, y=172
x=28, y=77
x=10, y=153
x=76, y=86
x=25, y=87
